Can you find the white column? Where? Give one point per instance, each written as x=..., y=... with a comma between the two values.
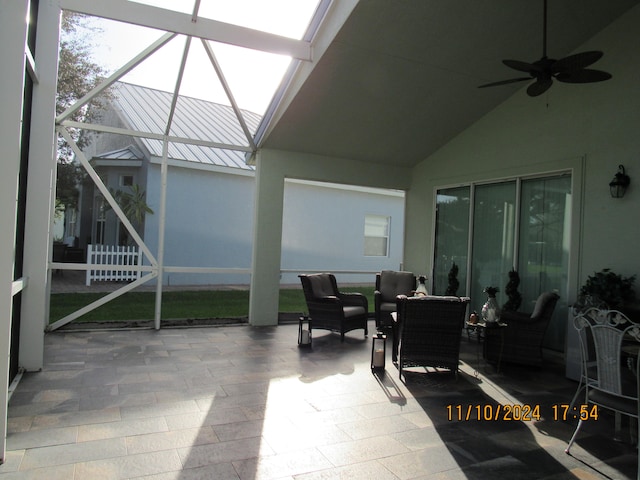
x=40, y=190
x=13, y=35
x=267, y=243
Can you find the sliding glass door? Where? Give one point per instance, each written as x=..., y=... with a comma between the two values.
x=492, y=248
x=544, y=245
x=491, y=228
x=452, y=238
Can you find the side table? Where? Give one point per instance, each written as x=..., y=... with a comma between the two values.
x=490, y=332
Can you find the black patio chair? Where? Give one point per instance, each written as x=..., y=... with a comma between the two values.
x=430, y=329
x=390, y=284
x=331, y=309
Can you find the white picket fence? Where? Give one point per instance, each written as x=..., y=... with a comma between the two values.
x=114, y=258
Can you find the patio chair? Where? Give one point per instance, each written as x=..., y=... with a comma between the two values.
x=430, y=331
x=521, y=340
x=616, y=385
x=331, y=309
x=390, y=284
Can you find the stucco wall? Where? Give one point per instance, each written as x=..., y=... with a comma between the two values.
x=323, y=230
x=210, y=222
x=586, y=129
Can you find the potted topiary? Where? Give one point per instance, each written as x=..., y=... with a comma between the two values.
x=607, y=289
x=515, y=298
x=454, y=284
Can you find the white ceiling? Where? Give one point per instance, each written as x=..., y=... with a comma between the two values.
x=400, y=79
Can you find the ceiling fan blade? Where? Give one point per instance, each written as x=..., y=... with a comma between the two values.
x=576, y=62
x=504, y=82
x=583, y=76
x=521, y=66
x=539, y=87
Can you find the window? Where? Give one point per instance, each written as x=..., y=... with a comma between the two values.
x=376, y=235
x=126, y=180
x=489, y=229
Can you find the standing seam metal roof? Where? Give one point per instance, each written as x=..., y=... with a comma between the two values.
x=147, y=110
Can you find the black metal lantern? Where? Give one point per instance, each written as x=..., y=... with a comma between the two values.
x=619, y=183
x=304, y=331
x=378, y=352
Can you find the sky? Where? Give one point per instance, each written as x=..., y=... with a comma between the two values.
x=253, y=76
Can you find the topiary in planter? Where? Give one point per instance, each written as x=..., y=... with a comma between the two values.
x=454, y=284
x=515, y=299
x=610, y=288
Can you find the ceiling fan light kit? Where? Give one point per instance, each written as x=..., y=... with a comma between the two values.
x=571, y=69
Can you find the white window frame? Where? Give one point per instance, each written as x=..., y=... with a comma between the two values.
x=369, y=234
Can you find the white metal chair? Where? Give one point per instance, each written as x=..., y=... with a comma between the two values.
x=615, y=386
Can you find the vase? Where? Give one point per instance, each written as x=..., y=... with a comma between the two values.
x=490, y=310
x=422, y=287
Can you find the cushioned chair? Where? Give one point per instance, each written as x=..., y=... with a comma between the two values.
x=390, y=284
x=331, y=309
x=521, y=340
x=615, y=387
x=430, y=329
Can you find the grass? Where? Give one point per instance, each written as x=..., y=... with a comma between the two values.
x=177, y=304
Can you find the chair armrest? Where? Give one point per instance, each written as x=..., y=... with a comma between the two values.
x=330, y=299
x=509, y=317
x=354, y=300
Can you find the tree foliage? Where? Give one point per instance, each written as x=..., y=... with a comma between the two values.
x=77, y=75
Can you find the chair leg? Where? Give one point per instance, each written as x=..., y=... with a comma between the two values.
x=581, y=388
x=573, y=437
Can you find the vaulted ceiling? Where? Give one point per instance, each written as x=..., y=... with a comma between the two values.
x=400, y=78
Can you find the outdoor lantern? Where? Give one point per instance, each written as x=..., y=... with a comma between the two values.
x=304, y=331
x=378, y=352
x=619, y=183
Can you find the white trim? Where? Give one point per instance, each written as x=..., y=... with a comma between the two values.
x=153, y=136
x=18, y=285
x=350, y=188
x=13, y=35
x=208, y=167
x=170, y=21
x=115, y=163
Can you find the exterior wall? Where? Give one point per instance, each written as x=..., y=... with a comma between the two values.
x=323, y=230
x=587, y=129
x=209, y=223
x=273, y=167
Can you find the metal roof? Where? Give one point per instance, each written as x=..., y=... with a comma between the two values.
x=147, y=110
x=127, y=153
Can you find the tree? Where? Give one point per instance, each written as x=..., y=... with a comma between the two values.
x=77, y=75
x=134, y=207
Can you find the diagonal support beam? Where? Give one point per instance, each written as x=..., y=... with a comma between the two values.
x=101, y=301
x=227, y=89
x=107, y=194
x=115, y=76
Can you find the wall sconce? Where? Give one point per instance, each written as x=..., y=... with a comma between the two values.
x=619, y=183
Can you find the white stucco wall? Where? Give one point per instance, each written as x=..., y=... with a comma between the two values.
x=210, y=216
x=586, y=129
x=323, y=230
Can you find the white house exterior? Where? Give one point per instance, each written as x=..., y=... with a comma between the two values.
x=210, y=200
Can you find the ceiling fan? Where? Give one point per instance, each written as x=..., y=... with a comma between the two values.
x=571, y=69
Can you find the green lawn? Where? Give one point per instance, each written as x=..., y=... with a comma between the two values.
x=177, y=304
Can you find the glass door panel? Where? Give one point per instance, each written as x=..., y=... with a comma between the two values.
x=452, y=237
x=544, y=247
x=493, y=241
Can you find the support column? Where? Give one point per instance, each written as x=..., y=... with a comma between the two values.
x=267, y=243
x=13, y=36
x=40, y=190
